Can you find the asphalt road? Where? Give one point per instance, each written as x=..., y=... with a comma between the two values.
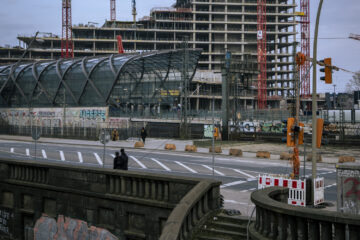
x=236, y=174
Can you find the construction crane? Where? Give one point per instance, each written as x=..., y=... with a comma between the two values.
x=113, y=10
x=261, y=54
x=354, y=36
x=67, y=48
x=305, y=47
x=134, y=11
x=120, y=45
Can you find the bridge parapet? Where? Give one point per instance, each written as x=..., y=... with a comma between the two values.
x=127, y=203
x=276, y=219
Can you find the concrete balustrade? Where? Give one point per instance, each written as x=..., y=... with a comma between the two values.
x=136, y=205
x=276, y=219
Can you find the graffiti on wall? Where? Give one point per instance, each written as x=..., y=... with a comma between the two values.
x=6, y=221
x=93, y=114
x=118, y=122
x=55, y=117
x=350, y=190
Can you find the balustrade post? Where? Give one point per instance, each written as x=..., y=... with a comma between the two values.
x=262, y=221
x=354, y=232
x=292, y=227
x=314, y=230
x=153, y=190
x=326, y=230
x=134, y=187
x=147, y=189
x=282, y=226
x=339, y=231
x=302, y=227
x=257, y=219
x=123, y=185
x=267, y=222
x=274, y=226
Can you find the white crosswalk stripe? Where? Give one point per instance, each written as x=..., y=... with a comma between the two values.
x=138, y=162
x=184, y=166
x=232, y=184
x=27, y=152
x=12, y=150
x=62, y=156
x=161, y=164
x=43, y=153
x=244, y=173
x=112, y=155
x=98, y=159
x=216, y=171
x=80, y=157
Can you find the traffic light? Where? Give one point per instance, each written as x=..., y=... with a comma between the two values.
x=327, y=69
x=319, y=131
x=290, y=134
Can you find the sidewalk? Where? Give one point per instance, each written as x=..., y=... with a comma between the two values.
x=329, y=154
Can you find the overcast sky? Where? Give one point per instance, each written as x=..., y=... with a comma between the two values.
x=338, y=20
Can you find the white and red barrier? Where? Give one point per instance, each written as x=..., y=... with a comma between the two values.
x=318, y=191
x=297, y=188
x=297, y=197
x=271, y=181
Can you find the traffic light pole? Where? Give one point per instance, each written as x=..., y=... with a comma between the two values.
x=314, y=103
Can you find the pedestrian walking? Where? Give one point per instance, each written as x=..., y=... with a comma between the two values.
x=143, y=134
x=117, y=161
x=124, y=160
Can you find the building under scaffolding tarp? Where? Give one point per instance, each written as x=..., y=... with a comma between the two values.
x=127, y=82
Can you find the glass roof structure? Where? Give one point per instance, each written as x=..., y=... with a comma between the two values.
x=138, y=78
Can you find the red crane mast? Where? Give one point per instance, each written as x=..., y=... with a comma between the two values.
x=305, y=48
x=113, y=10
x=67, y=48
x=261, y=54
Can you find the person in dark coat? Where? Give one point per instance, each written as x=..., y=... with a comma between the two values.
x=117, y=161
x=124, y=160
x=143, y=134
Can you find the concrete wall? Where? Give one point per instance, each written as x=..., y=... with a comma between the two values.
x=348, y=188
x=55, y=117
x=123, y=202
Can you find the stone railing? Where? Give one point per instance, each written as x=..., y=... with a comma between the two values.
x=137, y=205
x=202, y=199
x=278, y=220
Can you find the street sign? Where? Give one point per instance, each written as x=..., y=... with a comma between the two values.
x=104, y=136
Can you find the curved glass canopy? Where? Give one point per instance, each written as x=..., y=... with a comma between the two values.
x=116, y=80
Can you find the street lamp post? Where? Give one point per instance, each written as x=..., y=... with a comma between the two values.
x=314, y=103
x=334, y=101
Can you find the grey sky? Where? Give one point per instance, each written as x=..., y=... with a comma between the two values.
x=338, y=19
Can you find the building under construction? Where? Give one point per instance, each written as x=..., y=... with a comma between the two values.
x=217, y=27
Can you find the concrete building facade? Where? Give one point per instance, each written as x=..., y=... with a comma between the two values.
x=215, y=26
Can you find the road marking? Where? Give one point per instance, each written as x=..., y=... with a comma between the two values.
x=252, y=189
x=80, y=157
x=236, y=202
x=43, y=153
x=12, y=150
x=27, y=152
x=232, y=184
x=138, y=162
x=329, y=186
x=98, y=159
x=161, y=164
x=112, y=155
x=244, y=173
x=62, y=157
x=188, y=168
x=216, y=171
